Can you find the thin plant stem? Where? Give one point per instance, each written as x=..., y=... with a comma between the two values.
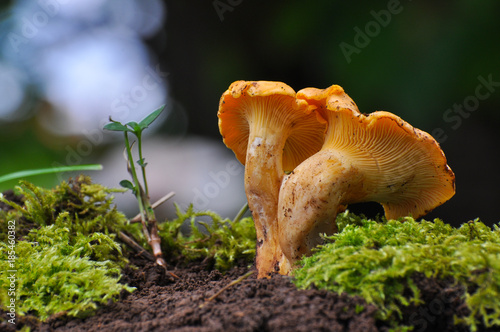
x=143, y=167
x=134, y=245
x=148, y=218
x=240, y=214
x=232, y=283
x=137, y=187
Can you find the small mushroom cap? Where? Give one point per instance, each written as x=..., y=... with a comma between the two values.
x=271, y=106
x=403, y=167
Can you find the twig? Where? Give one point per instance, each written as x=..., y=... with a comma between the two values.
x=159, y=202
x=232, y=283
x=171, y=273
x=137, y=247
x=134, y=245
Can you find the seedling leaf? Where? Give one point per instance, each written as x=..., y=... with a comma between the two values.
x=127, y=184
x=150, y=118
x=116, y=126
x=149, y=220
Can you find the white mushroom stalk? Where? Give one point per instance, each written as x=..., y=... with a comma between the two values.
x=378, y=158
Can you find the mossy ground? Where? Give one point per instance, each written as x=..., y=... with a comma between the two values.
x=379, y=259
x=69, y=261
x=63, y=246
x=221, y=243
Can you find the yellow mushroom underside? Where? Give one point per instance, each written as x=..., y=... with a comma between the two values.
x=403, y=167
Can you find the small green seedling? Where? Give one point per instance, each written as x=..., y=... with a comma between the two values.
x=148, y=219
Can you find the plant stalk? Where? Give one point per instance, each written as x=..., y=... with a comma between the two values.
x=148, y=218
x=141, y=159
x=241, y=213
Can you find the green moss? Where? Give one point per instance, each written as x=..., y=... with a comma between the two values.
x=376, y=259
x=89, y=206
x=66, y=257
x=54, y=276
x=223, y=241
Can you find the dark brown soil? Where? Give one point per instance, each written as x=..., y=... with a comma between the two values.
x=13, y=197
x=163, y=303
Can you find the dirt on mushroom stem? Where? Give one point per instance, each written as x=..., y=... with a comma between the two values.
x=310, y=199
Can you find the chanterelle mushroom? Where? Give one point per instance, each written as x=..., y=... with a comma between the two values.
x=270, y=132
x=378, y=158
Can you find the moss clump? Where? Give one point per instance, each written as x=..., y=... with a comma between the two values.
x=66, y=258
x=88, y=207
x=376, y=260
x=54, y=276
x=224, y=242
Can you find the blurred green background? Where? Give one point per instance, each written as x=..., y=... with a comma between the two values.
x=435, y=64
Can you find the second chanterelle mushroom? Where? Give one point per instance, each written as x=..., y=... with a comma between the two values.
x=378, y=157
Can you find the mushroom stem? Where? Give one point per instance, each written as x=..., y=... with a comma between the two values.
x=263, y=176
x=310, y=198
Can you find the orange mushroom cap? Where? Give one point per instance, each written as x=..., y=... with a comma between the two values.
x=271, y=105
x=406, y=164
